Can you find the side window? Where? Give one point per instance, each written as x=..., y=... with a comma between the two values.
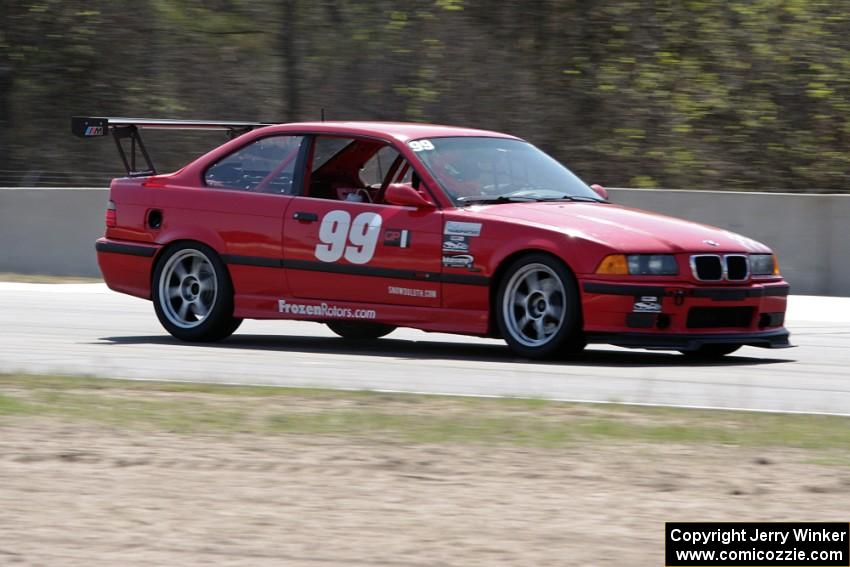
x=405, y=175
x=373, y=172
x=266, y=165
x=355, y=169
x=338, y=167
x=326, y=148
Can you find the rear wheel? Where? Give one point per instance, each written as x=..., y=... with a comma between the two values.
x=360, y=331
x=710, y=351
x=537, y=308
x=193, y=295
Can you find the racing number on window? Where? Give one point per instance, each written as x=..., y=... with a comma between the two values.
x=357, y=244
x=421, y=145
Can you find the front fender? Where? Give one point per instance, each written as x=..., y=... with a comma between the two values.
x=580, y=254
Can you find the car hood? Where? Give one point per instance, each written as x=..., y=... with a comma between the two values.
x=622, y=228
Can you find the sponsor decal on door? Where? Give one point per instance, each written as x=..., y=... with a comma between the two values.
x=454, y=243
x=398, y=237
x=459, y=228
x=411, y=292
x=458, y=261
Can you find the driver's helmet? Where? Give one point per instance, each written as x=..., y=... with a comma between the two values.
x=464, y=169
x=463, y=174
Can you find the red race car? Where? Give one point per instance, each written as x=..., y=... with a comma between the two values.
x=367, y=226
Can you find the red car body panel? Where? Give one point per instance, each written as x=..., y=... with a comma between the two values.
x=272, y=256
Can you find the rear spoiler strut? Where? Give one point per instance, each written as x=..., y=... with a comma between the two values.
x=128, y=128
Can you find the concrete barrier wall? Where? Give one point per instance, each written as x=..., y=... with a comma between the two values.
x=52, y=231
x=809, y=233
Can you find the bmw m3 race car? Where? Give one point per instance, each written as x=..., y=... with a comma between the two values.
x=368, y=226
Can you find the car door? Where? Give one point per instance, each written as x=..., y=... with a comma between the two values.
x=363, y=252
x=360, y=251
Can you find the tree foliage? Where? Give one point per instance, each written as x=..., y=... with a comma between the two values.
x=752, y=94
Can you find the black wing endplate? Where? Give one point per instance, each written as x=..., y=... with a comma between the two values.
x=128, y=128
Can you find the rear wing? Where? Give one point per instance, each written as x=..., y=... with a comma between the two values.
x=128, y=128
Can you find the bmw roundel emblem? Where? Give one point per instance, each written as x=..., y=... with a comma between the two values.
x=711, y=243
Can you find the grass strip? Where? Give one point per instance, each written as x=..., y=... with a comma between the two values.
x=204, y=408
x=43, y=278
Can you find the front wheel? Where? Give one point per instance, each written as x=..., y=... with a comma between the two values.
x=537, y=308
x=192, y=294
x=360, y=331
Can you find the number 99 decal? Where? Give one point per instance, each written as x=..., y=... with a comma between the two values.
x=421, y=145
x=356, y=243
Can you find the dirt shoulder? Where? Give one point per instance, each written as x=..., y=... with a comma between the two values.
x=102, y=473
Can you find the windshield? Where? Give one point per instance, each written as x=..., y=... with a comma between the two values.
x=493, y=170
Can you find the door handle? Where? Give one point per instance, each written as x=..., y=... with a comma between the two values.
x=307, y=217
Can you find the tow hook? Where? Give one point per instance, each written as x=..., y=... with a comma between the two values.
x=678, y=296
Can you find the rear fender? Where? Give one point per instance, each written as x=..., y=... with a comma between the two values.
x=186, y=235
x=200, y=234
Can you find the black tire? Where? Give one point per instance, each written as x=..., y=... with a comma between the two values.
x=708, y=352
x=360, y=331
x=193, y=294
x=541, y=322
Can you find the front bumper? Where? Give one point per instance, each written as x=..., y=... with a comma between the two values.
x=776, y=338
x=684, y=315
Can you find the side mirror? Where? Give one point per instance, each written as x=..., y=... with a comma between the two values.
x=405, y=195
x=600, y=190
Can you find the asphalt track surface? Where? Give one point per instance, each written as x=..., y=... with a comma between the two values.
x=87, y=329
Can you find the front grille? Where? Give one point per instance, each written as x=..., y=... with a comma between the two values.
x=714, y=268
x=707, y=267
x=737, y=267
x=708, y=317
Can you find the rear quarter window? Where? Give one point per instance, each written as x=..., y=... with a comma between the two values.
x=266, y=165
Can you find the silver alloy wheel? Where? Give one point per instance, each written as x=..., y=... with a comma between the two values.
x=534, y=305
x=187, y=288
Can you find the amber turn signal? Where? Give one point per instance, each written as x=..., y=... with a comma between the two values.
x=614, y=264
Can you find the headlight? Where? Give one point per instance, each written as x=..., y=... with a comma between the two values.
x=652, y=265
x=764, y=265
x=639, y=265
